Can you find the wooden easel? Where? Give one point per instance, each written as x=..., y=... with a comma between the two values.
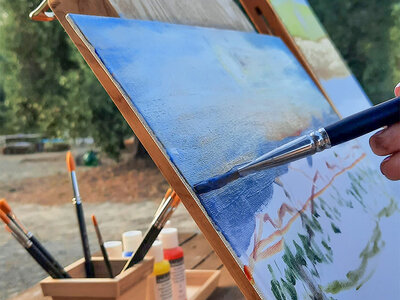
x=265, y=20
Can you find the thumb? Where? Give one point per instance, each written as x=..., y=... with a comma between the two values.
x=397, y=90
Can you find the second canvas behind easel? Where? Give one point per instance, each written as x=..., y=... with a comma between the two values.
x=214, y=99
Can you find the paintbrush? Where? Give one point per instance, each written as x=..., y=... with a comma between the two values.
x=81, y=217
x=169, y=191
x=349, y=128
x=5, y=207
x=34, y=251
x=162, y=215
x=172, y=206
x=102, y=248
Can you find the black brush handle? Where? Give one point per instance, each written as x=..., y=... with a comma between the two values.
x=89, y=268
x=106, y=260
x=44, y=262
x=144, y=247
x=354, y=126
x=47, y=254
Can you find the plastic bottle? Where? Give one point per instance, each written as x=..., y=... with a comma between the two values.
x=131, y=241
x=174, y=254
x=161, y=271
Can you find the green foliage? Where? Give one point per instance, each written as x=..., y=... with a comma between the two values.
x=104, y=122
x=395, y=42
x=48, y=87
x=367, y=34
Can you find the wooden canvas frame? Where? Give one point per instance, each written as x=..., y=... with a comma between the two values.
x=103, y=8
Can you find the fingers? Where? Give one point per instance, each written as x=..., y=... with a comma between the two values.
x=390, y=167
x=386, y=141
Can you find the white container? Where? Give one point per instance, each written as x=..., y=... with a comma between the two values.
x=114, y=249
x=131, y=241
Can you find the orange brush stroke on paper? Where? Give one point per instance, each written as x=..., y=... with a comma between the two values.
x=274, y=249
x=280, y=232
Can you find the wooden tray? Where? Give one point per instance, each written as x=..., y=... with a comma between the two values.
x=199, y=284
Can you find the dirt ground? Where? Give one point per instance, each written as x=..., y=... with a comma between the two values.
x=123, y=197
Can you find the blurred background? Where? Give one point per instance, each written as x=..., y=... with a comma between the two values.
x=50, y=102
x=46, y=88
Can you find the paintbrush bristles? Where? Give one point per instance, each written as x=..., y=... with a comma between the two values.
x=4, y=217
x=5, y=207
x=97, y=229
x=176, y=201
x=70, y=162
x=167, y=194
x=94, y=220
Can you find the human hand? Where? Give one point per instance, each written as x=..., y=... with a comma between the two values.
x=387, y=143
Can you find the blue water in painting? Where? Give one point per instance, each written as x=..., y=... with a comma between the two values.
x=213, y=99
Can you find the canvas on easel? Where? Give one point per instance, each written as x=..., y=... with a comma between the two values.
x=205, y=100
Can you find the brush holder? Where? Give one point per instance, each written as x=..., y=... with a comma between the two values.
x=131, y=284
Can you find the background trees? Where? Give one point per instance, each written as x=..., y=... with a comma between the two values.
x=367, y=34
x=46, y=87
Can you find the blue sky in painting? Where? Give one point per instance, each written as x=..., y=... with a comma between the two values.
x=347, y=94
x=213, y=99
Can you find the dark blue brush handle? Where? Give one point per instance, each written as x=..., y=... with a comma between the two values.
x=354, y=126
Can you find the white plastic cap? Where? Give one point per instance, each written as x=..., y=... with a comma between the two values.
x=168, y=224
x=114, y=249
x=131, y=240
x=157, y=251
x=169, y=238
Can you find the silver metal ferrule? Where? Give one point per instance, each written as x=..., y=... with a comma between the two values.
x=299, y=148
x=20, y=235
x=321, y=140
x=75, y=187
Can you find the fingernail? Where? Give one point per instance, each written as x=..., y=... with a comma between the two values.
x=386, y=160
x=397, y=90
x=379, y=132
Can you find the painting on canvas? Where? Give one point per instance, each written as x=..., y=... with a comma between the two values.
x=318, y=228
x=335, y=77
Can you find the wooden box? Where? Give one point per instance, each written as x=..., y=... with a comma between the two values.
x=129, y=285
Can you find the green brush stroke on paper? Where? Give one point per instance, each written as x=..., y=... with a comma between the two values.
x=299, y=19
x=389, y=210
x=374, y=246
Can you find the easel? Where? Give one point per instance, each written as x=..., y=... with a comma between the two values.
x=260, y=11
